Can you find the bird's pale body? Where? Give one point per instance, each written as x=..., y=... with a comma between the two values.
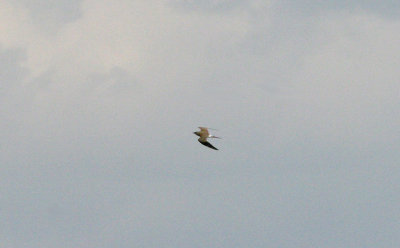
x=204, y=135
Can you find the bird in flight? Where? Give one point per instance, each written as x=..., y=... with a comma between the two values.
x=204, y=135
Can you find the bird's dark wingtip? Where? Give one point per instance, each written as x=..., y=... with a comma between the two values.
x=208, y=145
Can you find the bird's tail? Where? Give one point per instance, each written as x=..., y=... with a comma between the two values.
x=212, y=136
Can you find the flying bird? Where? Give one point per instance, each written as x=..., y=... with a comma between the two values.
x=204, y=135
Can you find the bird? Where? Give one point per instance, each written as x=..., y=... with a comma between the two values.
x=204, y=135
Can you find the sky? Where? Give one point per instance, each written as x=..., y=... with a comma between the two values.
x=99, y=101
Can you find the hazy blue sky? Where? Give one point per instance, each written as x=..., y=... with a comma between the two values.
x=99, y=99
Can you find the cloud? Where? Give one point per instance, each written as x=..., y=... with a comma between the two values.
x=50, y=16
x=385, y=9
x=348, y=81
x=11, y=72
x=97, y=114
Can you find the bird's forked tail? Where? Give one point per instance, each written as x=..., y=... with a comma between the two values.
x=212, y=136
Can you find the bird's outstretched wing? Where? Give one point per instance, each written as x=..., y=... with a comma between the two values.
x=204, y=131
x=206, y=143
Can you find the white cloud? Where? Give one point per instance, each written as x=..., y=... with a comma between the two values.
x=133, y=35
x=347, y=84
x=97, y=130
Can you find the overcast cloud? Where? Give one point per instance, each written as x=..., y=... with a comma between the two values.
x=99, y=99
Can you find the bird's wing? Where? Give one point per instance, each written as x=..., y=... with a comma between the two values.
x=204, y=129
x=203, y=137
x=204, y=134
x=206, y=143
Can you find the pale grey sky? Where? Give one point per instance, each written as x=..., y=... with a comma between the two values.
x=99, y=99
